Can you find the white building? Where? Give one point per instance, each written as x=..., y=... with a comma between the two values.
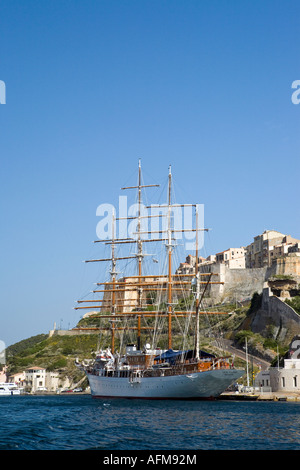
x=35, y=378
x=286, y=379
x=283, y=379
x=39, y=379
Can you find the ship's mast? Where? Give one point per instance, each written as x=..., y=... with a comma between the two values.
x=113, y=279
x=169, y=247
x=139, y=254
x=197, y=293
x=140, y=245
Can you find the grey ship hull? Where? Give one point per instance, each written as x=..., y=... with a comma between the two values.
x=197, y=385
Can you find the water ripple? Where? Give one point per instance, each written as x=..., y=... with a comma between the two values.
x=79, y=422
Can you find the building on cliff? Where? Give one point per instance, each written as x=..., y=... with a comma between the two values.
x=268, y=246
x=234, y=258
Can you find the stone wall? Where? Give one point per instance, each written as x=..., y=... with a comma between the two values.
x=74, y=332
x=238, y=284
x=288, y=265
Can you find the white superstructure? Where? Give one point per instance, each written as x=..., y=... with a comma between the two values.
x=8, y=388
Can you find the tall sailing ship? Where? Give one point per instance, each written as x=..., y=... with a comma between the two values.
x=161, y=310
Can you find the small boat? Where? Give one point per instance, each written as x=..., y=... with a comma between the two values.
x=9, y=388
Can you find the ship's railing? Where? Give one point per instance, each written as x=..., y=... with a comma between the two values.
x=112, y=373
x=176, y=369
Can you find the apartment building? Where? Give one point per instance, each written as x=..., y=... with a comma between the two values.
x=265, y=248
x=39, y=379
x=268, y=246
x=234, y=258
x=35, y=378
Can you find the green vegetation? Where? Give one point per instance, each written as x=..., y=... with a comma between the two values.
x=255, y=339
x=58, y=353
x=25, y=344
x=281, y=276
x=294, y=302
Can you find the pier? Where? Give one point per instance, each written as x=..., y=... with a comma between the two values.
x=260, y=396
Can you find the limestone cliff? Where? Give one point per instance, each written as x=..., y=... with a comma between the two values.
x=274, y=318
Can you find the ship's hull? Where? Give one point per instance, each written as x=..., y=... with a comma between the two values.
x=194, y=386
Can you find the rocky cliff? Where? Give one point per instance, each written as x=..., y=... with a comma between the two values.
x=274, y=319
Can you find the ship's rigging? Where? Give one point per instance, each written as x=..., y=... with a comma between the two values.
x=153, y=370
x=135, y=296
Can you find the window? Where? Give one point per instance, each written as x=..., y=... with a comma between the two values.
x=295, y=381
x=283, y=381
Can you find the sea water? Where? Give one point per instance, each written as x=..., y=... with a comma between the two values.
x=78, y=422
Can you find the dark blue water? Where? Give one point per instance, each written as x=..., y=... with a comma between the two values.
x=79, y=422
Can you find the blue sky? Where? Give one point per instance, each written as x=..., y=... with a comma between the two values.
x=92, y=86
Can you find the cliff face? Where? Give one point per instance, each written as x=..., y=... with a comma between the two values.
x=275, y=319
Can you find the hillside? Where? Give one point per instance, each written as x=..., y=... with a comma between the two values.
x=58, y=353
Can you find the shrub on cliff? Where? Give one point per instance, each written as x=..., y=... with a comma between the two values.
x=294, y=302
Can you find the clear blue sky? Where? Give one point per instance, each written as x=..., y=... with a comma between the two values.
x=92, y=86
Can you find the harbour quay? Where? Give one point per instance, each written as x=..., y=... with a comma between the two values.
x=260, y=396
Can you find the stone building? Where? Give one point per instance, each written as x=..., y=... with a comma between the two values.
x=234, y=258
x=268, y=246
